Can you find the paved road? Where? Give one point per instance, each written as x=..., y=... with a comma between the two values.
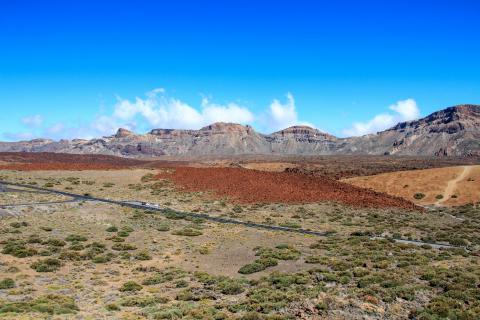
x=138, y=205
x=167, y=210
x=37, y=203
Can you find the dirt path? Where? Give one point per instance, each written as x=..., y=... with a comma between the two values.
x=452, y=185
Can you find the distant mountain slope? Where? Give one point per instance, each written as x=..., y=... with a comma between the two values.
x=454, y=131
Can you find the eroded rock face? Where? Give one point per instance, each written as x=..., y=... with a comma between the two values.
x=454, y=131
x=122, y=133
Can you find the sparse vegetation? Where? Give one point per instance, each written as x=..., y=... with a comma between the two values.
x=419, y=196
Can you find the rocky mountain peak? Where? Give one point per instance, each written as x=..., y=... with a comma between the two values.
x=122, y=133
x=223, y=127
x=302, y=131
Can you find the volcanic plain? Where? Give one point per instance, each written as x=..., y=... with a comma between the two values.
x=383, y=255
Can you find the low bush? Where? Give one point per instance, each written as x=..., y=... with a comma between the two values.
x=419, y=196
x=7, y=283
x=76, y=238
x=46, y=265
x=188, y=232
x=111, y=229
x=123, y=247
x=130, y=286
x=50, y=304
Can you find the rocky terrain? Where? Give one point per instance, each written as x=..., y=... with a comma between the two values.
x=454, y=131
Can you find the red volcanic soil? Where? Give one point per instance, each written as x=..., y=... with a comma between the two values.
x=251, y=186
x=65, y=161
x=62, y=161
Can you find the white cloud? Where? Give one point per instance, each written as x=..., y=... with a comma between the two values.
x=282, y=115
x=158, y=110
x=33, y=121
x=162, y=111
x=405, y=110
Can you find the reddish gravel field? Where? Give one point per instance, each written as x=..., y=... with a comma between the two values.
x=59, y=161
x=251, y=186
x=62, y=161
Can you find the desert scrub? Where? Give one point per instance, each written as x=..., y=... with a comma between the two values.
x=143, y=255
x=76, y=238
x=174, y=215
x=419, y=196
x=188, y=232
x=17, y=224
x=130, y=286
x=312, y=259
x=258, y=265
x=269, y=258
x=148, y=177
x=103, y=258
x=280, y=252
x=123, y=247
x=18, y=248
x=290, y=224
x=143, y=301
x=50, y=304
x=166, y=275
x=54, y=242
x=123, y=233
x=7, y=283
x=46, y=265
x=111, y=229
x=163, y=227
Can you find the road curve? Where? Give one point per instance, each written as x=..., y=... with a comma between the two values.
x=167, y=210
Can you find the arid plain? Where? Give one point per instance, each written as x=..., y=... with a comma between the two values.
x=379, y=254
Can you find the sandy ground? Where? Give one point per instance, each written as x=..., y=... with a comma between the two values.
x=457, y=185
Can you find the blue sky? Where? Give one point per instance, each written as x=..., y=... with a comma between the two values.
x=83, y=68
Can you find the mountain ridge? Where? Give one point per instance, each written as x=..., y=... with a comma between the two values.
x=454, y=131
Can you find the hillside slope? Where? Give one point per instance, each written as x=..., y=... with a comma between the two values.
x=454, y=131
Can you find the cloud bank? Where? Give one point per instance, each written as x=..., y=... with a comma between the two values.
x=156, y=109
x=404, y=110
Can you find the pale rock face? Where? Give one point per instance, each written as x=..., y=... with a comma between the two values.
x=454, y=131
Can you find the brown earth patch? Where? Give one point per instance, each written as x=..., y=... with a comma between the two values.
x=252, y=186
x=62, y=161
x=430, y=182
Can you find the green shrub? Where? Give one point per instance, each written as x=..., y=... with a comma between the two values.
x=163, y=227
x=123, y=247
x=46, y=265
x=111, y=229
x=130, y=286
x=290, y=224
x=188, y=232
x=123, y=233
x=112, y=307
x=439, y=196
x=50, y=304
x=312, y=259
x=76, y=238
x=251, y=268
x=7, y=283
x=144, y=255
x=18, y=249
x=55, y=242
x=419, y=196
